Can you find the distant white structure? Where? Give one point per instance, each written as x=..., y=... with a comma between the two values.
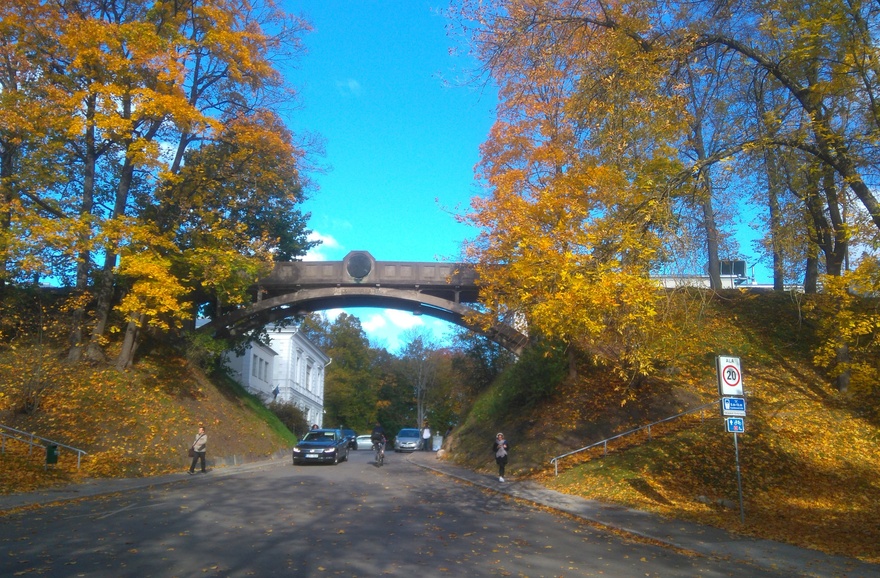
x=698, y=281
x=290, y=371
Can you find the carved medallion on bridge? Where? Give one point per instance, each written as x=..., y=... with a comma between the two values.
x=358, y=265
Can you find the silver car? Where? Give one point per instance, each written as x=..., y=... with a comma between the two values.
x=364, y=442
x=408, y=439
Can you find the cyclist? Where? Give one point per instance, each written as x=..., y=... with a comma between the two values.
x=378, y=434
x=378, y=437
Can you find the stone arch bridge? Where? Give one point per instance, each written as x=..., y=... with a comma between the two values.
x=441, y=290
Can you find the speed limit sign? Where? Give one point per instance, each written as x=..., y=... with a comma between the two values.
x=729, y=376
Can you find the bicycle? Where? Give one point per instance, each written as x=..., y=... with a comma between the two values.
x=380, y=453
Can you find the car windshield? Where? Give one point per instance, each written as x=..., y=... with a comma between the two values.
x=319, y=436
x=408, y=433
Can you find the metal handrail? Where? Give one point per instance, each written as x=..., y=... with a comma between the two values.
x=28, y=438
x=604, y=443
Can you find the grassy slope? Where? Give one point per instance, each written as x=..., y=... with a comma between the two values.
x=809, y=459
x=136, y=423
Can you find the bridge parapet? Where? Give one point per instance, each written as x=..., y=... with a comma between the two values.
x=298, y=287
x=455, y=282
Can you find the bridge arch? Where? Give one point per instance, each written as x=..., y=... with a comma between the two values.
x=434, y=289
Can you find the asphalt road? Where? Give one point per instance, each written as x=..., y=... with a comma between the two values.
x=353, y=519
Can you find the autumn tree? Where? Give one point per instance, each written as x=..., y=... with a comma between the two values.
x=419, y=369
x=615, y=101
x=175, y=156
x=31, y=133
x=464, y=370
x=579, y=178
x=350, y=385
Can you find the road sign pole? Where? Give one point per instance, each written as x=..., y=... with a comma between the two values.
x=742, y=512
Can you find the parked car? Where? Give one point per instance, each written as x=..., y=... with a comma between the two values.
x=364, y=442
x=321, y=445
x=352, y=438
x=407, y=440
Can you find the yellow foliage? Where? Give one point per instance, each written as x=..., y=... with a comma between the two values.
x=847, y=314
x=136, y=423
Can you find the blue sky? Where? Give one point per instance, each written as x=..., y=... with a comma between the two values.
x=402, y=133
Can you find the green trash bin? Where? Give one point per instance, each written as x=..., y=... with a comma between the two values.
x=51, y=454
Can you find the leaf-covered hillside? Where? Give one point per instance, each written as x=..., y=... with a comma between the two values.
x=133, y=423
x=809, y=461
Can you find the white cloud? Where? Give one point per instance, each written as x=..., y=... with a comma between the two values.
x=385, y=328
x=348, y=87
x=326, y=251
x=374, y=323
x=403, y=319
x=332, y=314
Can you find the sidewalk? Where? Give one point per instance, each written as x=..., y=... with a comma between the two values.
x=689, y=536
x=103, y=486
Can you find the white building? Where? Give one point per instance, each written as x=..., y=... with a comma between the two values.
x=290, y=371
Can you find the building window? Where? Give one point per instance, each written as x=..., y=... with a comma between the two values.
x=309, y=377
x=254, y=366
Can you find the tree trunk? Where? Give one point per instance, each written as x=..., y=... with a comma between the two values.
x=811, y=274
x=710, y=224
x=83, y=263
x=774, y=188
x=104, y=303
x=129, y=343
x=830, y=237
x=842, y=379
x=7, y=169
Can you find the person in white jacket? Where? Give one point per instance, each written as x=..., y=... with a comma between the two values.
x=426, y=439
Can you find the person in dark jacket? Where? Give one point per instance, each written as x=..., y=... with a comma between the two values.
x=500, y=449
x=377, y=436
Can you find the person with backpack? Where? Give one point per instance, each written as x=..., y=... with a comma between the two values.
x=377, y=436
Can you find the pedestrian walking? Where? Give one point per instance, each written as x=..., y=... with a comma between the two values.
x=198, y=449
x=500, y=449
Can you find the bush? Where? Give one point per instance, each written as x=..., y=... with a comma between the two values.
x=205, y=352
x=539, y=371
x=291, y=416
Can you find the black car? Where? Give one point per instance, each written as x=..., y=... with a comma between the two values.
x=321, y=445
x=352, y=438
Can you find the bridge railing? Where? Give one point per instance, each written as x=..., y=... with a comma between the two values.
x=604, y=443
x=33, y=441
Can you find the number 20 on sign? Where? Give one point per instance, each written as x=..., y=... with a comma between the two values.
x=729, y=376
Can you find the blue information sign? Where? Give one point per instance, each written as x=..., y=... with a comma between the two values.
x=733, y=406
x=735, y=425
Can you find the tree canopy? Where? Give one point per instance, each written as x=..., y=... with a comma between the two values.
x=144, y=161
x=631, y=135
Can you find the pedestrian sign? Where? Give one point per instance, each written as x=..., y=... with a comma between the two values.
x=729, y=376
x=735, y=425
x=733, y=406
